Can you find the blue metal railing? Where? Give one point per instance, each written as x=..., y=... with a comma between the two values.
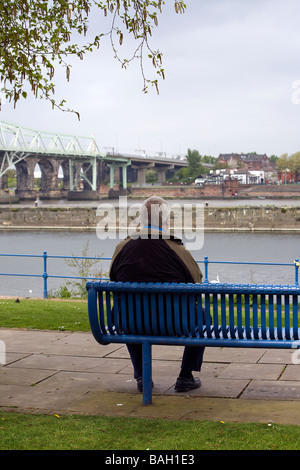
x=45, y=275
x=258, y=263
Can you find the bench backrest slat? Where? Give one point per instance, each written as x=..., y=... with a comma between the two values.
x=295, y=317
x=287, y=316
x=223, y=315
x=271, y=317
x=279, y=316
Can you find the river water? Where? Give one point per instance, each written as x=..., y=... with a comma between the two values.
x=238, y=247
x=233, y=202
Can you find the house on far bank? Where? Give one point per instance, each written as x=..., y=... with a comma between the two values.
x=249, y=161
x=242, y=175
x=200, y=180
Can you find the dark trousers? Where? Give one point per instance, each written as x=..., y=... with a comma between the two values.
x=191, y=360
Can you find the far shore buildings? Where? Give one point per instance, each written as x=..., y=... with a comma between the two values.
x=249, y=161
x=249, y=168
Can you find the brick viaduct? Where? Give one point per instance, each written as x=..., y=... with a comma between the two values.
x=56, y=181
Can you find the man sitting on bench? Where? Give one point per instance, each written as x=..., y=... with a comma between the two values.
x=153, y=255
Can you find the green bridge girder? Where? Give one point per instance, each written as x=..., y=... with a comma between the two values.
x=17, y=143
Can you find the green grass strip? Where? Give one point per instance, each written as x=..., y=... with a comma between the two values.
x=44, y=314
x=71, y=432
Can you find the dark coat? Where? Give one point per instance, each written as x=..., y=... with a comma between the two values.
x=142, y=258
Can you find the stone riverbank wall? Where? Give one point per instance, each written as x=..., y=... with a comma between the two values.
x=220, y=191
x=267, y=218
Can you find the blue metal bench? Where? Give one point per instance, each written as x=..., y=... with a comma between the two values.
x=221, y=315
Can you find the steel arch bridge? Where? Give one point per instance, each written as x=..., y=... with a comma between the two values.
x=81, y=159
x=18, y=143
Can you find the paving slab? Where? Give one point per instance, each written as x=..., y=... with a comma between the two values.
x=172, y=353
x=58, y=342
x=83, y=342
x=235, y=355
x=63, y=362
x=291, y=372
x=29, y=341
x=277, y=356
x=25, y=377
x=273, y=390
x=105, y=404
x=251, y=371
x=45, y=395
x=11, y=357
x=64, y=372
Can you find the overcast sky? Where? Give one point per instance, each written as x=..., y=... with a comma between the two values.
x=230, y=70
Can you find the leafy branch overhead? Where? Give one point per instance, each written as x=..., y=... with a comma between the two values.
x=37, y=36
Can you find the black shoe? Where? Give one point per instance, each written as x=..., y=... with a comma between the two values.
x=139, y=383
x=184, y=385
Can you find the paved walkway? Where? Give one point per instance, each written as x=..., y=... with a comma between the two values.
x=63, y=372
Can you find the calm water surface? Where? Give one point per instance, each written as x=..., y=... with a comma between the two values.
x=233, y=202
x=241, y=247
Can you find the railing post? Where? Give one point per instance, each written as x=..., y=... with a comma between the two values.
x=45, y=275
x=296, y=271
x=205, y=268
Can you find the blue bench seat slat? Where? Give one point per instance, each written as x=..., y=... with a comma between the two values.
x=239, y=312
x=110, y=323
x=138, y=310
x=130, y=313
x=207, y=314
x=263, y=317
x=184, y=316
x=93, y=315
x=223, y=316
x=287, y=317
x=116, y=312
x=215, y=316
x=177, y=315
x=271, y=317
x=192, y=315
x=101, y=312
x=247, y=316
x=146, y=313
x=161, y=315
x=169, y=310
x=124, y=322
x=278, y=316
x=295, y=318
x=231, y=316
x=153, y=314
x=255, y=317
x=199, y=317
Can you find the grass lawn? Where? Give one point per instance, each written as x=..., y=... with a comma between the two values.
x=44, y=314
x=44, y=432
x=29, y=431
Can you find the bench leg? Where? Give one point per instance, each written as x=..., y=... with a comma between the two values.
x=147, y=374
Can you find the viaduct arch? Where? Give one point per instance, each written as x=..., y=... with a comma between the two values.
x=83, y=165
